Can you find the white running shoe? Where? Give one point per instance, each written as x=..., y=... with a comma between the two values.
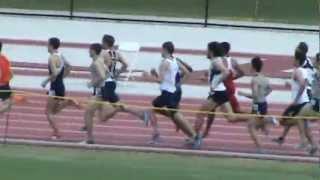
x=86, y=142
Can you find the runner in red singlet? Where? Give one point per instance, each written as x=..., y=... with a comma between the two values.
x=235, y=73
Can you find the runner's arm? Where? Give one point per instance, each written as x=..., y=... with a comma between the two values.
x=124, y=64
x=67, y=68
x=101, y=75
x=54, y=70
x=254, y=88
x=185, y=71
x=10, y=69
x=239, y=72
x=187, y=66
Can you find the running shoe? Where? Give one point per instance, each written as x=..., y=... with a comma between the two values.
x=313, y=150
x=87, y=142
x=84, y=128
x=155, y=139
x=197, y=143
x=279, y=140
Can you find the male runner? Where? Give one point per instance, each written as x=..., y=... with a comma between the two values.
x=309, y=75
x=168, y=77
x=218, y=96
x=111, y=57
x=98, y=77
x=5, y=77
x=307, y=65
x=59, y=68
x=300, y=98
x=260, y=89
x=312, y=109
x=181, y=77
x=235, y=73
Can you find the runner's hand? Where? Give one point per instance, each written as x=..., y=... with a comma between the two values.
x=287, y=84
x=44, y=83
x=117, y=73
x=153, y=72
x=146, y=76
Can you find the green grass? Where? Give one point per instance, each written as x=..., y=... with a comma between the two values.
x=287, y=11
x=36, y=4
x=35, y=163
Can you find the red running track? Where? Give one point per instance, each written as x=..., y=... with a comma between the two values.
x=27, y=121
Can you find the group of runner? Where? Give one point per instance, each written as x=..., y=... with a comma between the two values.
x=171, y=74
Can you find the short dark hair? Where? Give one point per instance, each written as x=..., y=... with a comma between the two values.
x=169, y=46
x=300, y=56
x=226, y=47
x=216, y=48
x=54, y=42
x=0, y=46
x=257, y=63
x=108, y=39
x=303, y=46
x=96, y=47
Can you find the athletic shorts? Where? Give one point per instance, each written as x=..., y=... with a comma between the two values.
x=220, y=97
x=315, y=104
x=57, y=89
x=293, y=110
x=97, y=92
x=260, y=108
x=5, y=95
x=109, y=92
x=166, y=99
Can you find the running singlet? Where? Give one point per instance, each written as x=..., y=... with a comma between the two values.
x=169, y=96
x=316, y=86
x=215, y=76
x=218, y=91
x=293, y=110
x=231, y=87
x=309, y=69
x=108, y=91
x=111, y=74
x=316, y=92
x=6, y=73
x=295, y=89
x=57, y=86
x=169, y=81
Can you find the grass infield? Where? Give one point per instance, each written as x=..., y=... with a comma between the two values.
x=39, y=163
